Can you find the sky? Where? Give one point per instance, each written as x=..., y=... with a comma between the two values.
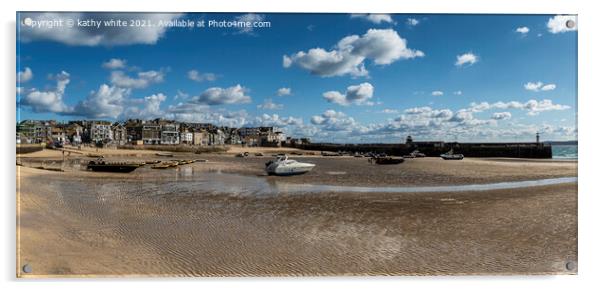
x=355, y=78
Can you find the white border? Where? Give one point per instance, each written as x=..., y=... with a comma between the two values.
x=589, y=137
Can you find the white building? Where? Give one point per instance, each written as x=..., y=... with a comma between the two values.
x=186, y=138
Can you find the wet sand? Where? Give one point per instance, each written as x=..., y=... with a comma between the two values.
x=165, y=222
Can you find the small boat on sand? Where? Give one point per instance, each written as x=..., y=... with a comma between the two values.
x=451, y=156
x=161, y=166
x=121, y=167
x=164, y=154
x=284, y=166
x=415, y=154
x=258, y=154
x=245, y=154
x=387, y=160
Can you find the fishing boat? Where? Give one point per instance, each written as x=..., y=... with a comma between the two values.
x=451, y=156
x=387, y=160
x=258, y=154
x=415, y=154
x=285, y=166
x=121, y=167
x=161, y=166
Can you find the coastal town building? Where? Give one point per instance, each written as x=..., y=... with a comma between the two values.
x=100, y=132
x=147, y=132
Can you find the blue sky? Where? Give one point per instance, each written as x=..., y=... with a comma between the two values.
x=331, y=77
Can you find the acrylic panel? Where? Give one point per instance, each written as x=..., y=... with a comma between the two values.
x=295, y=144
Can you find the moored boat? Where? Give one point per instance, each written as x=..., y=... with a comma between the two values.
x=387, y=160
x=284, y=166
x=121, y=167
x=164, y=154
x=451, y=156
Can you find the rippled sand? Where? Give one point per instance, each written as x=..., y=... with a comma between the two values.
x=156, y=222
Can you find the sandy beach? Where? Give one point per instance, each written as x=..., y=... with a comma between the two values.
x=217, y=219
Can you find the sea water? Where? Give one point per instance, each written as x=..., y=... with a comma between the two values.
x=564, y=151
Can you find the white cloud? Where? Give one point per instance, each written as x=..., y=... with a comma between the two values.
x=332, y=120
x=437, y=93
x=51, y=100
x=558, y=24
x=283, y=92
x=389, y=111
x=188, y=112
x=222, y=96
x=412, y=21
x=277, y=121
x=382, y=46
x=93, y=36
x=533, y=107
x=106, y=102
x=268, y=104
x=539, y=86
x=25, y=75
x=114, y=63
x=522, y=30
x=358, y=94
x=150, y=110
x=501, y=116
x=249, y=17
x=144, y=79
x=201, y=77
x=375, y=18
x=458, y=93
x=468, y=58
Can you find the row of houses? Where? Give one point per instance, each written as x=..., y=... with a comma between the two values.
x=145, y=132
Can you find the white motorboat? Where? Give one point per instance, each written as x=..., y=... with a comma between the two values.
x=285, y=166
x=451, y=156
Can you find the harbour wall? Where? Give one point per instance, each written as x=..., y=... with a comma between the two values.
x=434, y=149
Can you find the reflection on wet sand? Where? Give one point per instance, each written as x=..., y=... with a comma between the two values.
x=202, y=220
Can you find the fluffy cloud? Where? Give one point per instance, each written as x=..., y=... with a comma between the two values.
x=374, y=18
x=201, y=77
x=466, y=59
x=93, y=36
x=437, y=93
x=358, y=94
x=187, y=112
x=277, y=121
x=269, y=105
x=221, y=96
x=412, y=21
x=332, y=120
x=114, y=63
x=25, y=75
x=558, y=24
x=106, y=102
x=382, y=46
x=51, y=100
x=250, y=17
x=143, y=80
x=501, y=116
x=533, y=107
x=283, y=92
x=522, y=30
x=539, y=86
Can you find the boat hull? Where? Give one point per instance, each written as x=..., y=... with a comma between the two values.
x=280, y=170
x=113, y=168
